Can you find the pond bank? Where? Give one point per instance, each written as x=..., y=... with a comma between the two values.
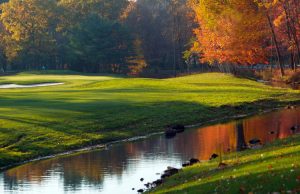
x=224, y=118
x=121, y=166
x=273, y=169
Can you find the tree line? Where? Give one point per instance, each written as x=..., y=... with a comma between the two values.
x=122, y=36
x=109, y=36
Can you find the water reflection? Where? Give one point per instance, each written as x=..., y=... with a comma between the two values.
x=118, y=169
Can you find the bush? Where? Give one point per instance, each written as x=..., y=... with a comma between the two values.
x=294, y=78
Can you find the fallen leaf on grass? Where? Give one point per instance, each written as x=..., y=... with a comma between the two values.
x=270, y=167
x=242, y=189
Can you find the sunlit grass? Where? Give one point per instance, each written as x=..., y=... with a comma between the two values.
x=90, y=109
x=276, y=168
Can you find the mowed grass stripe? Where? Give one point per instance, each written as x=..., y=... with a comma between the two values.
x=91, y=109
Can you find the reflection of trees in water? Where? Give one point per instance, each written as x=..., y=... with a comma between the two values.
x=204, y=142
x=10, y=183
x=277, y=122
x=16, y=177
x=241, y=142
x=232, y=136
x=88, y=168
x=91, y=168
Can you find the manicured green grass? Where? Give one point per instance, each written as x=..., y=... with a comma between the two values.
x=90, y=109
x=273, y=169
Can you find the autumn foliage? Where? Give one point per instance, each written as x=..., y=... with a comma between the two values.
x=229, y=35
x=247, y=31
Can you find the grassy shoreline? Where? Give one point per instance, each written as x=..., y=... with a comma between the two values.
x=273, y=169
x=134, y=138
x=91, y=110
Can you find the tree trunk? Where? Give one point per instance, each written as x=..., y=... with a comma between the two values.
x=292, y=28
x=293, y=65
x=288, y=31
x=241, y=142
x=174, y=47
x=276, y=45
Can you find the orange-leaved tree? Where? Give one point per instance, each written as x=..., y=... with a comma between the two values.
x=233, y=31
x=284, y=16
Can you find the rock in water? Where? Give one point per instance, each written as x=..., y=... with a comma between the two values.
x=255, y=141
x=178, y=128
x=214, y=156
x=294, y=128
x=194, y=161
x=169, y=172
x=272, y=132
x=186, y=164
x=290, y=107
x=157, y=182
x=163, y=176
x=170, y=133
x=147, y=185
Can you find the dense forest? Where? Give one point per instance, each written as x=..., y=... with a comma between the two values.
x=121, y=36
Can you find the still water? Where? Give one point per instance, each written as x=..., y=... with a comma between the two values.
x=119, y=168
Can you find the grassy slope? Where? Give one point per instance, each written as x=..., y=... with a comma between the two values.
x=274, y=169
x=96, y=109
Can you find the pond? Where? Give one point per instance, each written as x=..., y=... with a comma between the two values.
x=120, y=167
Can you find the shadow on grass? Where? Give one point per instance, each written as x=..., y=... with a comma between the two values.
x=106, y=114
x=104, y=120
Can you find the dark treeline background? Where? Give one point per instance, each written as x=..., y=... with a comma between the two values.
x=98, y=36
x=148, y=37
